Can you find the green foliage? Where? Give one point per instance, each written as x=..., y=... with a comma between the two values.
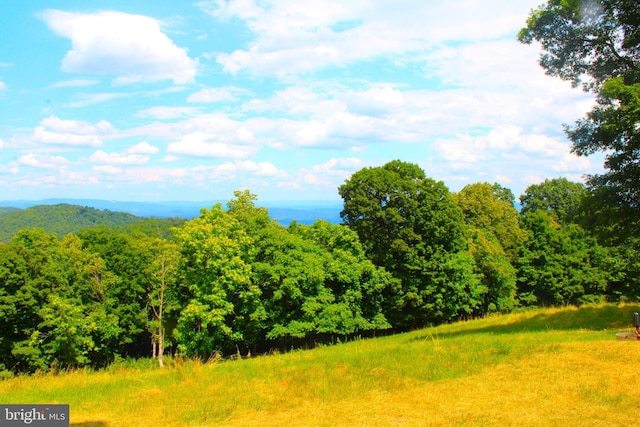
x=60, y=219
x=612, y=128
x=6, y=210
x=314, y=280
x=410, y=225
x=495, y=272
x=599, y=40
x=63, y=219
x=560, y=265
x=215, y=252
x=409, y=254
x=490, y=208
x=561, y=198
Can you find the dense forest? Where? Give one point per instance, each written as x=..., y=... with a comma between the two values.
x=64, y=218
x=408, y=252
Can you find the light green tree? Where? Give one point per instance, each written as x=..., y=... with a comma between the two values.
x=215, y=250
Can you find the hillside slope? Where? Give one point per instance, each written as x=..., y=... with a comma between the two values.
x=551, y=367
x=61, y=219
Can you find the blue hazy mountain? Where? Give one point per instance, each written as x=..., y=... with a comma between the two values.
x=304, y=212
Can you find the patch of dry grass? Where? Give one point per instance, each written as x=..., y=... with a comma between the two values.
x=547, y=367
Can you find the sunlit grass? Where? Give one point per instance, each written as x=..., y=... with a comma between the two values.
x=543, y=367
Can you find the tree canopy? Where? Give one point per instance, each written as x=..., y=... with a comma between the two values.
x=597, y=43
x=410, y=225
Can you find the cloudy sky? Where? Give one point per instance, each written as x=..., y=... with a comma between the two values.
x=157, y=100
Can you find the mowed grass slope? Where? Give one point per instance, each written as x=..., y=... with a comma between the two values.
x=546, y=367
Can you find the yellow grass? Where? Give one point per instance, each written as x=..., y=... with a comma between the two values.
x=494, y=372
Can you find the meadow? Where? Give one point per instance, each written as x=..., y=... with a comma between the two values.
x=560, y=366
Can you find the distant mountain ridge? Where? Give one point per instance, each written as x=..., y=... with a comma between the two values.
x=64, y=216
x=61, y=219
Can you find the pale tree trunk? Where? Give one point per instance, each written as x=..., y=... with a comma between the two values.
x=163, y=278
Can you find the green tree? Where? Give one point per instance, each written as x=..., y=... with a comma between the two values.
x=410, y=225
x=215, y=266
x=358, y=286
x=490, y=208
x=495, y=271
x=586, y=42
x=32, y=269
x=561, y=198
x=597, y=43
x=119, y=282
x=560, y=264
x=162, y=286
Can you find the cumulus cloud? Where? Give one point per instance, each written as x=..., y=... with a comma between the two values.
x=263, y=169
x=132, y=47
x=135, y=155
x=142, y=148
x=56, y=131
x=201, y=144
x=217, y=94
x=294, y=37
x=102, y=157
x=42, y=161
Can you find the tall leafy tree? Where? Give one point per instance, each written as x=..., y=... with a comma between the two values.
x=490, y=208
x=119, y=282
x=215, y=253
x=315, y=280
x=560, y=264
x=358, y=286
x=410, y=225
x=597, y=43
x=163, y=287
x=495, y=270
x=559, y=197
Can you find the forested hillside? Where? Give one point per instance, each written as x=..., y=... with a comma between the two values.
x=410, y=253
x=4, y=210
x=64, y=218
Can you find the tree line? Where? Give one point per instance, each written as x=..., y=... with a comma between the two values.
x=410, y=253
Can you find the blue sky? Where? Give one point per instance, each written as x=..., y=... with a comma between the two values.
x=171, y=100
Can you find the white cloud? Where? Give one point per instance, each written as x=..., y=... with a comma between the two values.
x=42, y=161
x=217, y=94
x=573, y=163
x=142, y=148
x=3, y=86
x=135, y=155
x=108, y=169
x=294, y=37
x=102, y=157
x=201, y=144
x=132, y=47
x=53, y=130
x=163, y=113
x=379, y=100
x=75, y=83
x=264, y=169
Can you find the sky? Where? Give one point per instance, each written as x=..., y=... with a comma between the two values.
x=160, y=100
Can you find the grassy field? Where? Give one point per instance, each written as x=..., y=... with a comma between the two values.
x=559, y=367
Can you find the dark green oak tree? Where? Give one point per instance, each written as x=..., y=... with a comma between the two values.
x=410, y=225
